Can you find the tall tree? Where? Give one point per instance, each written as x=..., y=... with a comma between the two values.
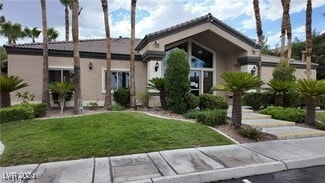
x=52, y=34
x=259, y=31
x=12, y=31
x=32, y=33
x=45, y=91
x=2, y=18
x=108, y=102
x=76, y=57
x=308, y=38
x=132, y=55
x=289, y=33
x=285, y=5
x=67, y=4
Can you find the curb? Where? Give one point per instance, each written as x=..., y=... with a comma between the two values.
x=223, y=174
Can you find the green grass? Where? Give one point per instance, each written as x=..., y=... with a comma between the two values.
x=106, y=134
x=320, y=116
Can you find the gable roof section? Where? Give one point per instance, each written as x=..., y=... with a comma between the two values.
x=192, y=23
x=120, y=47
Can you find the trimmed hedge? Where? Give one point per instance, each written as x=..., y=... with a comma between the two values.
x=40, y=110
x=212, y=117
x=191, y=114
x=255, y=100
x=122, y=96
x=210, y=101
x=288, y=114
x=321, y=103
x=16, y=113
x=192, y=101
x=250, y=132
x=320, y=125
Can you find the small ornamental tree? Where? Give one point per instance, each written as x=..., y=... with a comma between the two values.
x=63, y=89
x=284, y=71
x=159, y=84
x=177, y=83
x=9, y=84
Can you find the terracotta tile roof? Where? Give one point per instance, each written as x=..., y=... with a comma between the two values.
x=119, y=46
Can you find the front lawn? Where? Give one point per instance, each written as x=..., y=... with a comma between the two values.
x=99, y=135
x=320, y=116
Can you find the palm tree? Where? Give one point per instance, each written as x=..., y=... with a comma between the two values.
x=32, y=33
x=108, y=102
x=2, y=18
x=311, y=90
x=285, y=5
x=76, y=57
x=67, y=4
x=12, y=31
x=9, y=84
x=308, y=38
x=159, y=84
x=259, y=31
x=279, y=88
x=52, y=34
x=238, y=83
x=132, y=55
x=45, y=91
x=62, y=89
x=289, y=33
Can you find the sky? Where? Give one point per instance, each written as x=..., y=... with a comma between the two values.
x=154, y=15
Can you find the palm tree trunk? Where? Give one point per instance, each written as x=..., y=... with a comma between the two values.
x=308, y=38
x=311, y=111
x=289, y=35
x=75, y=33
x=236, y=110
x=5, y=99
x=108, y=102
x=163, y=101
x=259, y=31
x=132, y=55
x=278, y=100
x=283, y=26
x=45, y=91
x=66, y=22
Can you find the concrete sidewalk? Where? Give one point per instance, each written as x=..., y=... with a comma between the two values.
x=203, y=164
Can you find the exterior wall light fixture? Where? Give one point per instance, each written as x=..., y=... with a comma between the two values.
x=90, y=66
x=156, y=66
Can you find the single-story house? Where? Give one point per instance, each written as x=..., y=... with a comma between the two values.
x=212, y=48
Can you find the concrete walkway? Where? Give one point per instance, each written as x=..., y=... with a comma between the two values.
x=279, y=128
x=203, y=164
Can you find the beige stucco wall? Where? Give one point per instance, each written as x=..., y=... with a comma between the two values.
x=29, y=67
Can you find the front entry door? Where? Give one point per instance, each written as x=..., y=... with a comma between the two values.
x=195, y=79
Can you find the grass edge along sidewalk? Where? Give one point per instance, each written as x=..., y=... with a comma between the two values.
x=99, y=135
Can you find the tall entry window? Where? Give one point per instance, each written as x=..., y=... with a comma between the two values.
x=201, y=61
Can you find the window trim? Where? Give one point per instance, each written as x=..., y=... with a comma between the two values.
x=112, y=70
x=61, y=69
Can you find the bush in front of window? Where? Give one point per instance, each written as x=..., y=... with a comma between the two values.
x=122, y=96
x=254, y=100
x=16, y=113
x=177, y=83
x=210, y=101
x=192, y=101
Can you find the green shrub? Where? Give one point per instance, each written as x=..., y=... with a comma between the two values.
x=177, y=84
x=250, y=132
x=92, y=105
x=144, y=98
x=320, y=126
x=321, y=103
x=16, y=113
x=40, y=110
x=117, y=107
x=122, y=96
x=210, y=101
x=191, y=114
x=293, y=99
x=255, y=100
x=212, y=117
x=192, y=101
x=288, y=114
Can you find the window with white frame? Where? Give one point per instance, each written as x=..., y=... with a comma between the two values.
x=118, y=79
x=61, y=75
